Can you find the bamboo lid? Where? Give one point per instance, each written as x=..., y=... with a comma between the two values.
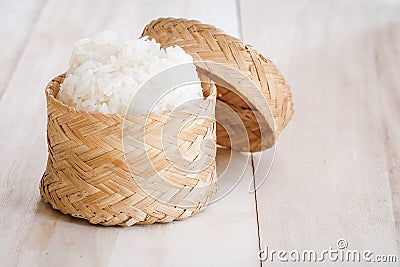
x=255, y=102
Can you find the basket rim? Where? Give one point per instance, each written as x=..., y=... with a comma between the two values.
x=56, y=82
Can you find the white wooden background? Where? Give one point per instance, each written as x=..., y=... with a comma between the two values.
x=337, y=167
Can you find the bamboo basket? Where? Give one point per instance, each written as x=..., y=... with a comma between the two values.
x=247, y=82
x=92, y=174
x=101, y=169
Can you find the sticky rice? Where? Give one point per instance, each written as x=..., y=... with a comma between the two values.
x=107, y=70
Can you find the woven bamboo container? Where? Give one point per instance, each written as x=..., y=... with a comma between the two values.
x=92, y=174
x=246, y=81
x=122, y=170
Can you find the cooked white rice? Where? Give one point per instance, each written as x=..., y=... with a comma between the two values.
x=107, y=70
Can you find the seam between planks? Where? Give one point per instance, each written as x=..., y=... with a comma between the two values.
x=256, y=204
x=239, y=18
x=240, y=29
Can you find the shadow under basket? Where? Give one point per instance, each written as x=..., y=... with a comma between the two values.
x=112, y=170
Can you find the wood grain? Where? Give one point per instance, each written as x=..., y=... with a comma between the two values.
x=336, y=172
x=17, y=21
x=35, y=235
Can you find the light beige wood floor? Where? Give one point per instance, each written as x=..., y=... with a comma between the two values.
x=336, y=172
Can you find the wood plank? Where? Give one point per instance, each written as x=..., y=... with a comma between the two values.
x=17, y=21
x=336, y=172
x=33, y=233
x=223, y=235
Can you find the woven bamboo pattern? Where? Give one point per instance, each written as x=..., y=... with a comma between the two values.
x=92, y=174
x=122, y=170
x=249, y=83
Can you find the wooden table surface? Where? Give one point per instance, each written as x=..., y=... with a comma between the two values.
x=336, y=172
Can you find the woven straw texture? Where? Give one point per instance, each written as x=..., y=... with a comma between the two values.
x=122, y=170
x=92, y=174
x=246, y=81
